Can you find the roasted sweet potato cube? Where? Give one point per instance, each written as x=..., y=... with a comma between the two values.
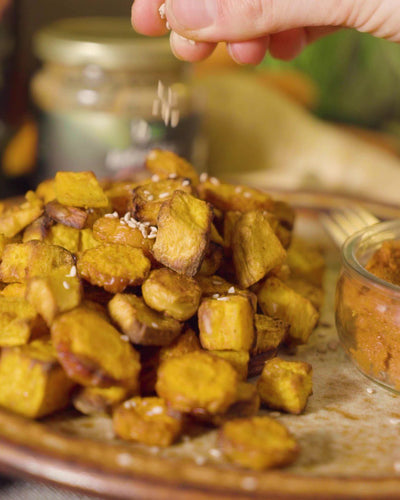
x=167, y=164
x=38, y=229
x=257, y=443
x=212, y=260
x=79, y=189
x=247, y=404
x=230, y=220
x=279, y=301
x=183, y=233
x=147, y=420
x=120, y=195
x=58, y=292
x=226, y=323
x=19, y=322
x=96, y=213
x=64, y=236
x=3, y=242
x=87, y=240
x=238, y=359
x=32, y=382
x=69, y=216
x=174, y=294
x=197, y=383
x=256, y=249
x=46, y=190
x=97, y=400
x=22, y=261
x=92, y=351
x=285, y=385
x=187, y=342
x=140, y=323
x=15, y=218
x=16, y=290
x=113, y=266
x=306, y=261
x=313, y=293
x=215, y=286
x=270, y=333
x=215, y=237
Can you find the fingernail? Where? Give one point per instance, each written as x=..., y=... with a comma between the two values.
x=193, y=14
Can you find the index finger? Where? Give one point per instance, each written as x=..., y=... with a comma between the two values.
x=146, y=18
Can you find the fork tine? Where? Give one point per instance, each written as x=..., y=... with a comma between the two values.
x=348, y=226
x=334, y=230
x=366, y=216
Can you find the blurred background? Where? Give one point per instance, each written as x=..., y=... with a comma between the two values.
x=81, y=95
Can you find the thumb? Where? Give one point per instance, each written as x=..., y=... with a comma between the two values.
x=235, y=20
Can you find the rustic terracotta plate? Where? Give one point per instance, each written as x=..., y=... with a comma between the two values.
x=349, y=433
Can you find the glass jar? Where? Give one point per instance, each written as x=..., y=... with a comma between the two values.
x=368, y=308
x=95, y=95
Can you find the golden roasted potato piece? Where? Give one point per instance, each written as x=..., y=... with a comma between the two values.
x=64, y=236
x=187, y=342
x=22, y=261
x=87, y=240
x=270, y=333
x=92, y=351
x=238, y=359
x=46, y=190
x=197, y=383
x=16, y=290
x=55, y=293
x=167, y=164
x=97, y=400
x=113, y=266
x=212, y=260
x=257, y=443
x=19, y=322
x=120, y=195
x=69, y=216
x=285, y=385
x=256, y=249
x=3, y=242
x=183, y=233
x=215, y=286
x=226, y=323
x=230, y=220
x=279, y=301
x=140, y=323
x=247, y=404
x=215, y=237
x=79, y=189
x=15, y=218
x=147, y=420
x=148, y=198
x=174, y=294
x=313, y=293
x=306, y=261
x=32, y=382
x=38, y=229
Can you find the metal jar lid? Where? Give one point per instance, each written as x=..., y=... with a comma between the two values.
x=109, y=42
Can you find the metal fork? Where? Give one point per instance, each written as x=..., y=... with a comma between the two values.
x=342, y=223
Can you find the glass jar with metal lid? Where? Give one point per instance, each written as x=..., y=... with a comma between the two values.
x=98, y=95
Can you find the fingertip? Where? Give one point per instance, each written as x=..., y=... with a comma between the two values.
x=288, y=44
x=189, y=50
x=145, y=18
x=249, y=52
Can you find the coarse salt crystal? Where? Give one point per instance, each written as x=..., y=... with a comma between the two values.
x=215, y=296
x=150, y=197
x=203, y=177
x=370, y=390
x=249, y=483
x=66, y=285
x=215, y=453
x=224, y=299
x=238, y=189
x=155, y=178
x=124, y=459
x=114, y=215
x=214, y=181
x=394, y=421
x=125, y=338
x=231, y=289
x=161, y=11
x=129, y=404
x=72, y=272
x=247, y=194
x=154, y=325
x=172, y=176
x=186, y=182
x=163, y=195
x=156, y=410
x=200, y=460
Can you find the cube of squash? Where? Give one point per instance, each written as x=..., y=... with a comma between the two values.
x=187, y=342
x=238, y=359
x=313, y=293
x=174, y=294
x=246, y=404
x=69, y=216
x=140, y=323
x=15, y=218
x=285, y=385
x=147, y=420
x=257, y=443
x=98, y=400
x=58, y=292
x=32, y=382
x=279, y=301
x=256, y=249
x=215, y=286
x=212, y=260
x=197, y=383
x=113, y=266
x=306, y=261
x=64, y=236
x=120, y=195
x=46, y=190
x=16, y=290
x=3, y=242
x=168, y=164
x=92, y=351
x=79, y=189
x=183, y=233
x=270, y=333
x=226, y=323
x=87, y=240
x=22, y=261
x=38, y=229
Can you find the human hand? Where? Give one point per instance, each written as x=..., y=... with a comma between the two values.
x=251, y=27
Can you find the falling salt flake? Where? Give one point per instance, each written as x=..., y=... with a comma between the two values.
x=214, y=181
x=66, y=285
x=203, y=177
x=249, y=483
x=72, y=272
x=215, y=296
x=231, y=289
x=175, y=117
x=156, y=410
x=186, y=182
x=215, y=453
x=155, y=178
x=396, y=467
x=394, y=421
x=160, y=89
x=162, y=10
x=200, y=460
x=124, y=459
x=370, y=390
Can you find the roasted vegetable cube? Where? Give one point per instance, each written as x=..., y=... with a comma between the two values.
x=140, y=323
x=167, y=164
x=212, y=260
x=226, y=323
x=215, y=286
x=15, y=218
x=87, y=240
x=32, y=382
x=92, y=351
x=279, y=301
x=16, y=290
x=113, y=266
x=270, y=333
x=120, y=195
x=46, y=190
x=187, y=342
x=64, y=236
x=256, y=249
x=257, y=443
x=79, y=189
x=238, y=359
x=313, y=293
x=97, y=400
x=183, y=233
x=69, y=216
x=174, y=294
x=285, y=385
x=246, y=404
x=38, y=229
x=197, y=383
x=147, y=420
x=306, y=261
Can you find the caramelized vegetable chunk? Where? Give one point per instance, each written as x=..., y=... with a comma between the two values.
x=16, y=290
x=183, y=233
x=32, y=382
x=313, y=293
x=64, y=236
x=226, y=323
x=16, y=218
x=140, y=323
x=79, y=189
x=246, y=404
x=217, y=286
x=257, y=443
x=113, y=266
x=256, y=249
x=46, y=190
x=120, y=195
x=97, y=400
x=92, y=351
x=167, y=164
x=238, y=359
x=176, y=295
x=148, y=421
x=87, y=240
x=38, y=229
x=69, y=216
x=187, y=342
x=197, y=383
x=306, y=261
x=270, y=333
x=285, y=385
